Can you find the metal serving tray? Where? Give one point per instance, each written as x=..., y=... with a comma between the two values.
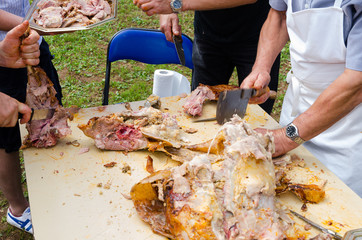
x=35, y=26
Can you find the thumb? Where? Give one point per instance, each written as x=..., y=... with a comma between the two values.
x=19, y=30
x=25, y=111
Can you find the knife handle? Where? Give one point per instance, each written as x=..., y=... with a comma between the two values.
x=20, y=115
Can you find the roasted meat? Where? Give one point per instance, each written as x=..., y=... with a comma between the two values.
x=112, y=133
x=235, y=202
x=294, y=177
x=41, y=94
x=202, y=93
x=134, y=130
x=70, y=13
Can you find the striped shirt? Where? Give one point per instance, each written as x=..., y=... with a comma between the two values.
x=16, y=7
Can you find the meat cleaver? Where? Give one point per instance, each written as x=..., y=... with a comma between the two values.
x=234, y=102
x=177, y=40
x=40, y=114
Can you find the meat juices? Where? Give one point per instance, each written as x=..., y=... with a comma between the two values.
x=70, y=13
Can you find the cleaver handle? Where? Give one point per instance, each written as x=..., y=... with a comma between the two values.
x=262, y=91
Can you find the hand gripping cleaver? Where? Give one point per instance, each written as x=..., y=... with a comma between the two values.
x=234, y=102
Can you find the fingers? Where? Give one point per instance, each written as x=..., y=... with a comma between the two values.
x=33, y=38
x=25, y=111
x=8, y=111
x=19, y=30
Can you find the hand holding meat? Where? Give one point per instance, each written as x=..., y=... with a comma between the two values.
x=151, y=7
x=15, y=53
x=10, y=109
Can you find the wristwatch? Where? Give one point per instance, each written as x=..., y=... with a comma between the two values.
x=176, y=5
x=291, y=132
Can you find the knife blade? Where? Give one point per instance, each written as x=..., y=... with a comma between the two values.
x=177, y=40
x=40, y=114
x=325, y=230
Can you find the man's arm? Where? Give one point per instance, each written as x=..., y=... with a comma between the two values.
x=151, y=7
x=8, y=20
x=273, y=37
x=339, y=99
x=17, y=53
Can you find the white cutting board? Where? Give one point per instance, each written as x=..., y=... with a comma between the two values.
x=67, y=204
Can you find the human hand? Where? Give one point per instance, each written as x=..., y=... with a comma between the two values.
x=10, y=109
x=151, y=7
x=169, y=25
x=17, y=53
x=257, y=80
x=282, y=143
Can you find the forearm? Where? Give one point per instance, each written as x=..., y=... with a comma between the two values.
x=211, y=5
x=8, y=20
x=273, y=38
x=340, y=98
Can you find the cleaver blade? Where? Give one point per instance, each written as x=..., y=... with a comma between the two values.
x=177, y=40
x=235, y=102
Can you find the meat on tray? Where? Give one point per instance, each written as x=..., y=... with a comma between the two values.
x=70, y=13
x=202, y=93
x=235, y=201
x=41, y=94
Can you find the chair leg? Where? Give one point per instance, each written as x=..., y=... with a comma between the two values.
x=106, y=84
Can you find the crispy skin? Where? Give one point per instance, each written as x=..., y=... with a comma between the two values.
x=307, y=193
x=148, y=205
x=215, y=146
x=217, y=89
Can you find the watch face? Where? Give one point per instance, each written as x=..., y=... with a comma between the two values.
x=290, y=131
x=177, y=4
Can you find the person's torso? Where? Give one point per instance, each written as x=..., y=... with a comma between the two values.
x=238, y=24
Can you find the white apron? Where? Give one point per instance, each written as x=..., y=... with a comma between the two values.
x=318, y=53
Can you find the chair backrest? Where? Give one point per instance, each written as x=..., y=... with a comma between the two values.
x=144, y=45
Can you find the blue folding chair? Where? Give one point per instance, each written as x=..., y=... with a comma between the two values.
x=144, y=45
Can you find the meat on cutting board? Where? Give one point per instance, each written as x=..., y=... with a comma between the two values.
x=194, y=103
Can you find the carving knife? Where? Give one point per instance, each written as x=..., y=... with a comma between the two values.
x=177, y=40
x=325, y=230
x=40, y=114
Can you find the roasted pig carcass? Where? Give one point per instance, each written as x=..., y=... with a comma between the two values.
x=41, y=94
x=134, y=130
x=70, y=13
x=238, y=201
x=202, y=93
x=249, y=191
